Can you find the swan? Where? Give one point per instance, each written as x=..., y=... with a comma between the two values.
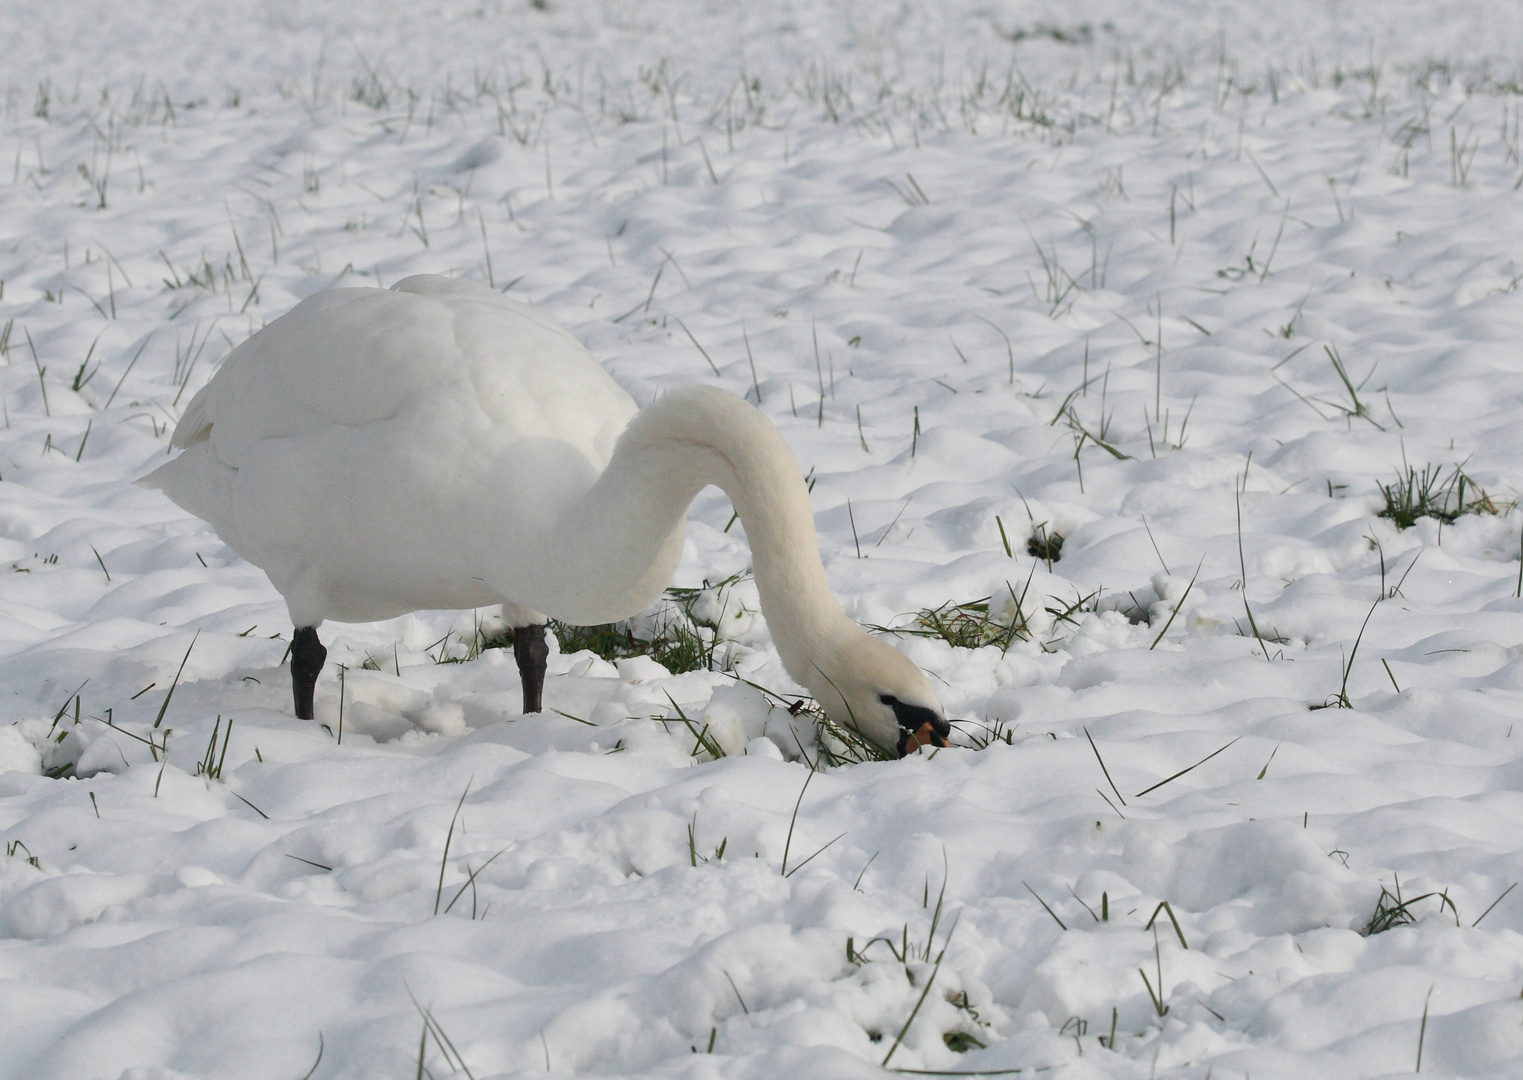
x=438, y=445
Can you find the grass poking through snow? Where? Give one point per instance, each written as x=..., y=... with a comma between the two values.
x=1428, y=493
x=1393, y=910
x=673, y=634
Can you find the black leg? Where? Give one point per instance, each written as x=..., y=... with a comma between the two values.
x=307, y=656
x=530, y=650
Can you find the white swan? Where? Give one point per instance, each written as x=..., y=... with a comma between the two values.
x=437, y=445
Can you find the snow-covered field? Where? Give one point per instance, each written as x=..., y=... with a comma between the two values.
x=1183, y=282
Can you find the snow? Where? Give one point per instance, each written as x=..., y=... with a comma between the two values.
x=1173, y=210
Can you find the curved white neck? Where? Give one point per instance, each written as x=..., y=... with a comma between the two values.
x=619, y=544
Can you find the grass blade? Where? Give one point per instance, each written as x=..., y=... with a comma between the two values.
x=1164, y=907
x=1181, y=772
x=1103, y=769
x=787, y=844
x=1494, y=903
x=923, y=995
x=444, y=859
x=1179, y=605
x=165, y=707
x=805, y=863
x=712, y=366
x=244, y=801
x=1045, y=908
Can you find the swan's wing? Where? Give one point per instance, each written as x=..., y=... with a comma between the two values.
x=373, y=444
x=354, y=357
x=305, y=373
x=194, y=426
x=343, y=357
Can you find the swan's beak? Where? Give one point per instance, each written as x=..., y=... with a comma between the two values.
x=925, y=735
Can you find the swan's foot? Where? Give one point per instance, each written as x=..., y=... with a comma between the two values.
x=530, y=650
x=307, y=657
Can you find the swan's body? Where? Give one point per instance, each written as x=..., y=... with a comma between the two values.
x=437, y=445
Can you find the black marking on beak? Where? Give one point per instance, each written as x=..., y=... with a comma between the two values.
x=918, y=725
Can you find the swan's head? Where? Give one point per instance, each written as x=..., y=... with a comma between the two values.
x=871, y=687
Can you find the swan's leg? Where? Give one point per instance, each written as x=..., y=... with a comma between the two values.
x=530, y=650
x=307, y=656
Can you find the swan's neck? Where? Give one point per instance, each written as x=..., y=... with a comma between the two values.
x=625, y=536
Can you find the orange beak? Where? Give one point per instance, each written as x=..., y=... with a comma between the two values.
x=925, y=736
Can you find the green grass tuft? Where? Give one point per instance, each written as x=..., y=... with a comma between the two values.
x=676, y=642
x=1045, y=546
x=1428, y=493
x=1392, y=910
x=968, y=625
x=672, y=634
